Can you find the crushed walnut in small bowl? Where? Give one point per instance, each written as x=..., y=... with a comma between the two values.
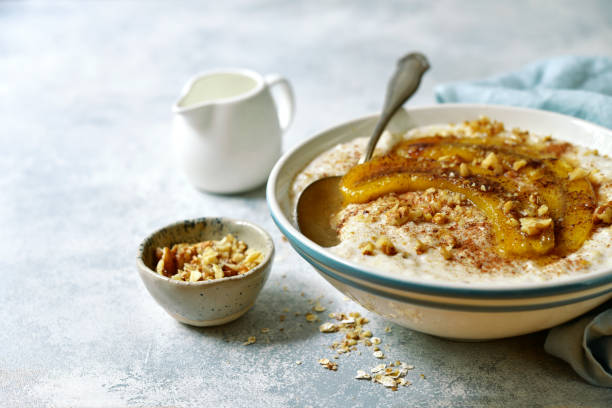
x=206, y=260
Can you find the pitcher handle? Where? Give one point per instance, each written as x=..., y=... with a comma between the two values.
x=285, y=103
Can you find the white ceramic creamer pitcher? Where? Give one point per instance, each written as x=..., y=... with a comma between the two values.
x=228, y=129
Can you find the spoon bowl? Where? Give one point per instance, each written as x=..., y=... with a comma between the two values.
x=316, y=207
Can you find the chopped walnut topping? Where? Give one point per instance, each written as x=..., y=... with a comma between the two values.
x=386, y=246
x=421, y=248
x=577, y=173
x=508, y=206
x=534, y=226
x=446, y=253
x=367, y=248
x=485, y=126
x=512, y=221
x=543, y=210
x=440, y=219
x=448, y=241
x=491, y=162
x=399, y=215
x=519, y=164
x=603, y=213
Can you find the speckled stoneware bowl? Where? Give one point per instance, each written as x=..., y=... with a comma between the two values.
x=213, y=302
x=453, y=310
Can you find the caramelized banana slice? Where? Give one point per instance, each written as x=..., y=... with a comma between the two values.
x=393, y=174
x=500, y=177
x=579, y=202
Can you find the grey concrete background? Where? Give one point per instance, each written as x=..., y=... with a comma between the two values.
x=86, y=174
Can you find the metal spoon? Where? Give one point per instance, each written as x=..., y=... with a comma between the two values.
x=322, y=198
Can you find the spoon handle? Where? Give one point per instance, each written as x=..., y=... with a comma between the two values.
x=403, y=84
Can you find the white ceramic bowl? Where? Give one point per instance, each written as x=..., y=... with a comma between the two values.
x=452, y=310
x=212, y=302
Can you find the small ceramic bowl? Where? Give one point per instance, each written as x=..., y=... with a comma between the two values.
x=212, y=302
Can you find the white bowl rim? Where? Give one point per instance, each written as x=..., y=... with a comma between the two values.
x=467, y=290
x=267, y=256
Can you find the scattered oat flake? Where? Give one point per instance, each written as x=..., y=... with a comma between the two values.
x=328, y=328
x=403, y=381
x=265, y=330
x=318, y=308
x=250, y=340
x=285, y=310
x=379, y=354
x=375, y=340
x=330, y=365
x=391, y=376
x=387, y=381
x=298, y=362
x=362, y=375
x=282, y=318
x=311, y=317
x=387, y=329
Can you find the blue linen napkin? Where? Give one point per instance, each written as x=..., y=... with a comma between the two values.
x=580, y=87
x=586, y=344
x=573, y=85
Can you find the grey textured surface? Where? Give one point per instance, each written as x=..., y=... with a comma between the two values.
x=86, y=174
